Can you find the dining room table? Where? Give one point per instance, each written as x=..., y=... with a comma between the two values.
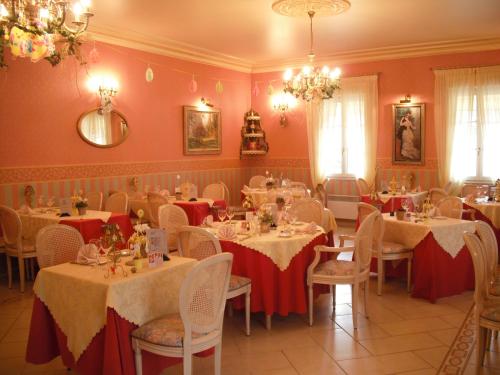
x=89, y=224
x=442, y=265
x=277, y=263
x=87, y=319
x=487, y=211
x=393, y=201
x=260, y=196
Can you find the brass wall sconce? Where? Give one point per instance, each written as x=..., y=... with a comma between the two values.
x=283, y=102
x=106, y=87
x=406, y=100
x=206, y=102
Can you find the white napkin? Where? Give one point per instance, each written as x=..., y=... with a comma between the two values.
x=226, y=232
x=208, y=221
x=310, y=228
x=87, y=254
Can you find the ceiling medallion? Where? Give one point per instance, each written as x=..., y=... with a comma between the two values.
x=299, y=8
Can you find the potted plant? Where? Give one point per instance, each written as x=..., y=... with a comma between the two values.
x=280, y=202
x=266, y=220
x=400, y=213
x=81, y=204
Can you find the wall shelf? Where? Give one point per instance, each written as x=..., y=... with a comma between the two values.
x=253, y=138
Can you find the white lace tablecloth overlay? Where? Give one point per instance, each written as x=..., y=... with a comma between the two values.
x=417, y=198
x=489, y=209
x=448, y=233
x=137, y=204
x=78, y=296
x=34, y=222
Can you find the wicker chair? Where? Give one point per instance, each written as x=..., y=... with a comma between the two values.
x=364, y=188
x=355, y=272
x=487, y=307
x=198, y=325
x=256, y=181
x=214, y=191
x=56, y=244
x=450, y=207
x=117, y=202
x=15, y=247
x=489, y=241
x=227, y=196
x=308, y=209
x=199, y=244
x=94, y=199
x=436, y=194
x=155, y=201
x=170, y=219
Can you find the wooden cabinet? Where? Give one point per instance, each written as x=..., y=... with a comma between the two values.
x=253, y=138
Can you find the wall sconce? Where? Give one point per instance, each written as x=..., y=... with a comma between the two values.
x=283, y=102
x=406, y=100
x=206, y=102
x=106, y=87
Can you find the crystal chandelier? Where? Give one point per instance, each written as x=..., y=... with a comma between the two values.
x=42, y=29
x=312, y=82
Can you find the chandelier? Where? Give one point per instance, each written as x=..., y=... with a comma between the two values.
x=311, y=82
x=42, y=29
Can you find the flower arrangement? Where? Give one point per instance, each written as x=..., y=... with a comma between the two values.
x=112, y=237
x=81, y=202
x=138, y=240
x=280, y=202
x=265, y=220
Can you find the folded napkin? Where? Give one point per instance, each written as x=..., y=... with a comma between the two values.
x=226, y=232
x=208, y=221
x=311, y=228
x=87, y=254
x=26, y=210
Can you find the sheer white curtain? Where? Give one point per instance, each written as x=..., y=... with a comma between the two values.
x=97, y=127
x=342, y=133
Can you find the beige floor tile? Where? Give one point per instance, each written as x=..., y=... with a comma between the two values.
x=12, y=350
x=386, y=364
x=283, y=371
x=433, y=356
x=12, y=366
x=429, y=371
x=339, y=345
x=274, y=341
x=16, y=335
x=366, y=328
x=262, y=361
x=455, y=320
x=426, y=311
x=312, y=360
x=414, y=326
x=398, y=344
x=446, y=336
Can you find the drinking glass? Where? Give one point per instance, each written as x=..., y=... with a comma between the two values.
x=230, y=213
x=222, y=214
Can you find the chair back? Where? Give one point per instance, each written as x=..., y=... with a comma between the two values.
x=203, y=295
x=170, y=219
x=56, y=244
x=214, y=191
x=451, y=207
x=118, y=202
x=197, y=243
x=436, y=194
x=301, y=186
x=364, y=188
x=188, y=190
x=94, y=200
x=365, y=209
x=363, y=242
x=155, y=200
x=475, y=190
x=489, y=241
x=378, y=234
x=448, y=187
x=256, y=181
x=308, y=209
x=477, y=251
x=12, y=228
x=227, y=197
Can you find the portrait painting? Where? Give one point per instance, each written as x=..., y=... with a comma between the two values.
x=408, y=133
x=202, y=131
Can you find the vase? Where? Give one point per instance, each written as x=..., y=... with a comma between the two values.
x=82, y=211
x=265, y=227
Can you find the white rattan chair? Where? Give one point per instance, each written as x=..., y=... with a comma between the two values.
x=355, y=272
x=155, y=201
x=256, y=181
x=448, y=187
x=436, y=194
x=197, y=243
x=450, y=207
x=214, y=191
x=489, y=241
x=117, y=202
x=15, y=247
x=198, y=325
x=308, y=209
x=170, y=219
x=94, y=200
x=56, y=244
x=364, y=188
x=487, y=307
x=227, y=196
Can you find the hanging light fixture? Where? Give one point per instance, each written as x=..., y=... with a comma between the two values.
x=311, y=82
x=42, y=29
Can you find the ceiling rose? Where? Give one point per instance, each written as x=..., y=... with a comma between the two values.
x=300, y=8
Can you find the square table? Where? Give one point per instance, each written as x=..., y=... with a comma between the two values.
x=391, y=202
x=442, y=265
x=488, y=212
x=87, y=319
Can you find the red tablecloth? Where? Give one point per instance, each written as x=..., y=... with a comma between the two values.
x=91, y=228
x=479, y=216
x=435, y=274
x=387, y=207
x=109, y=353
x=274, y=291
x=197, y=211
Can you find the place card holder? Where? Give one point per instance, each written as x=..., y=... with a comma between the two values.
x=157, y=247
x=66, y=206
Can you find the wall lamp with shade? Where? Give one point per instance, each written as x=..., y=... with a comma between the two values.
x=107, y=87
x=406, y=100
x=282, y=102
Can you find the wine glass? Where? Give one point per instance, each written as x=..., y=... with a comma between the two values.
x=222, y=214
x=230, y=213
x=405, y=204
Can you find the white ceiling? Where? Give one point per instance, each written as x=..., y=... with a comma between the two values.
x=249, y=33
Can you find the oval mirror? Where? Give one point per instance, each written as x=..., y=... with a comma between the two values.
x=103, y=129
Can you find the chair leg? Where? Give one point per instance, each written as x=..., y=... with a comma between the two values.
x=21, y=272
x=247, y=313
x=187, y=363
x=138, y=358
x=367, y=297
x=333, y=291
x=355, y=296
x=310, y=293
x=9, y=270
x=495, y=335
x=32, y=268
x=380, y=275
x=481, y=341
x=268, y=322
x=218, y=359
x=488, y=339
x=408, y=286
x=230, y=310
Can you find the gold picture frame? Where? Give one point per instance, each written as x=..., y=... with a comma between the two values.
x=202, y=131
x=408, y=133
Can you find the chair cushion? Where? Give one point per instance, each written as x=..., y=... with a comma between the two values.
x=393, y=248
x=237, y=282
x=167, y=331
x=491, y=313
x=335, y=268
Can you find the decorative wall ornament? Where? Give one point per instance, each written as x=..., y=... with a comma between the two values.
x=202, y=131
x=256, y=90
x=193, y=85
x=297, y=8
x=219, y=88
x=408, y=133
x=149, y=74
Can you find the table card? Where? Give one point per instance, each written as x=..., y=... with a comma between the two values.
x=66, y=206
x=157, y=242
x=155, y=259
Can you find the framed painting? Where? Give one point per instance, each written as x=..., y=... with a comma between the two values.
x=202, y=131
x=408, y=133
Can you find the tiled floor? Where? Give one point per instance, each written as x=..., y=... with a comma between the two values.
x=403, y=336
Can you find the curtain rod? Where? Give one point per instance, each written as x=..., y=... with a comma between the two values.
x=465, y=67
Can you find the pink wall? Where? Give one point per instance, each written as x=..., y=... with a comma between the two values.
x=40, y=105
